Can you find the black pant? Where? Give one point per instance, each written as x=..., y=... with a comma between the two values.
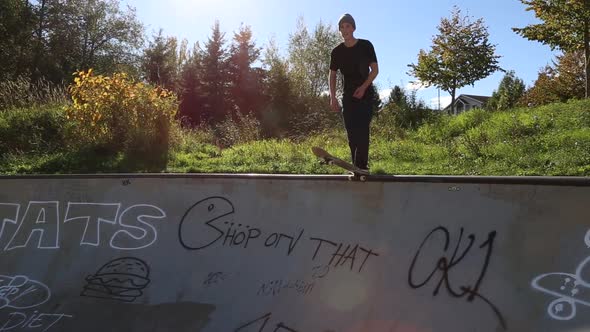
x=357, y=118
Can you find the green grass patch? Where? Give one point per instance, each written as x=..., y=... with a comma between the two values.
x=549, y=140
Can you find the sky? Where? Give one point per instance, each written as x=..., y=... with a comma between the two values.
x=398, y=30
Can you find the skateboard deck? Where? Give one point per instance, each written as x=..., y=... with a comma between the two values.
x=331, y=160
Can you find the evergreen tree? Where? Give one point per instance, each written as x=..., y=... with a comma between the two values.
x=509, y=92
x=191, y=94
x=215, y=79
x=245, y=81
x=160, y=61
x=397, y=96
x=281, y=101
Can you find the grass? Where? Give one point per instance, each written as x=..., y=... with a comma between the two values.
x=552, y=140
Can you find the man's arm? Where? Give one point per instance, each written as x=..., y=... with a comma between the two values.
x=360, y=91
x=332, y=83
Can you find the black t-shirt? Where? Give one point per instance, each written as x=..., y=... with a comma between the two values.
x=353, y=62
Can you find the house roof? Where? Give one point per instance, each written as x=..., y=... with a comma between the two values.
x=481, y=99
x=472, y=99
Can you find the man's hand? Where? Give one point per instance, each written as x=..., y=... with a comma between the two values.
x=334, y=104
x=359, y=93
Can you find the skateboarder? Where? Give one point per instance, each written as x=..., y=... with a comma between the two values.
x=356, y=60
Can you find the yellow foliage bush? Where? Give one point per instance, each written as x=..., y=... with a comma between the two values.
x=119, y=113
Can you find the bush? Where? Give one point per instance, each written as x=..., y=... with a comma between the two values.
x=385, y=124
x=25, y=130
x=121, y=115
x=242, y=129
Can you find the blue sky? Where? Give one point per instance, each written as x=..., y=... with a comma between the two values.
x=397, y=29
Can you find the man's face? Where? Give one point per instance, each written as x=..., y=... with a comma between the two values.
x=346, y=30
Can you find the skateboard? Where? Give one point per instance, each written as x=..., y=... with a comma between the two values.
x=355, y=172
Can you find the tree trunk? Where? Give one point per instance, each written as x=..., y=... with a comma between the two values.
x=36, y=72
x=587, y=55
x=452, y=109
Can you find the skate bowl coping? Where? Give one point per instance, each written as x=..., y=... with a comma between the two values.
x=284, y=253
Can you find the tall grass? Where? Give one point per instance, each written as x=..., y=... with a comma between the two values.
x=22, y=92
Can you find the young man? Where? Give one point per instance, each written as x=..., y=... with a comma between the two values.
x=356, y=60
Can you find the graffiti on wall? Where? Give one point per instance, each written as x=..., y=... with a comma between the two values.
x=209, y=223
x=41, y=227
x=568, y=289
x=439, y=275
x=122, y=279
x=259, y=324
x=17, y=295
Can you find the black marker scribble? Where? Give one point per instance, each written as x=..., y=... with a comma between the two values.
x=262, y=321
x=122, y=279
x=214, y=278
x=205, y=212
x=445, y=265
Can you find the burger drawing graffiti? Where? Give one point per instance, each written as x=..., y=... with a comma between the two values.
x=121, y=279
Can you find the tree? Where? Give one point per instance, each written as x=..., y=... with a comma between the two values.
x=40, y=12
x=107, y=33
x=397, y=96
x=80, y=34
x=245, y=81
x=565, y=25
x=215, y=79
x=16, y=24
x=404, y=109
x=509, y=92
x=309, y=57
x=571, y=74
x=309, y=63
x=461, y=54
x=191, y=89
x=281, y=100
x=160, y=61
x=561, y=81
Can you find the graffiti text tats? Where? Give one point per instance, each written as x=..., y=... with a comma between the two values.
x=40, y=225
x=210, y=223
x=445, y=264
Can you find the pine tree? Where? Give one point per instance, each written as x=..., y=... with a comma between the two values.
x=215, y=80
x=191, y=92
x=160, y=61
x=509, y=92
x=245, y=81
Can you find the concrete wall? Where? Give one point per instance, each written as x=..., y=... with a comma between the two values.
x=293, y=254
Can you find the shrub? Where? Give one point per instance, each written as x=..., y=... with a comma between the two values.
x=120, y=114
x=24, y=130
x=242, y=129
